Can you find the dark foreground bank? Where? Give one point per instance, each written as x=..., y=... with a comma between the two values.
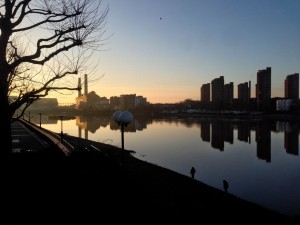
x=91, y=186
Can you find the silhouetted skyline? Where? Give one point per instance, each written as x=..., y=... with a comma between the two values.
x=196, y=41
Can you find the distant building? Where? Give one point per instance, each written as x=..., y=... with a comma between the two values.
x=44, y=103
x=217, y=92
x=228, y=96
x=114, y=102
x=244, y=95
x=87, y=100
x=291, y=86
x=140, y=101
x=244, y=91
x=205, y=93
x=103, y=101
x=263, y=89
x=127, y=102
x=284, y=104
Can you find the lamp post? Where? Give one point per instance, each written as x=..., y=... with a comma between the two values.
x=61, y=127
x=40, y=119
x=29, y=117
x=123, y=119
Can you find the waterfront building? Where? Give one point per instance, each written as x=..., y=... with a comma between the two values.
x=127, y=102
x=205, y=93
x=140, y=101
x=86, y=100
x=228, y=96
x=217, y=92
x=291, y=86
x=244, y=95
x=263, y=89
x=44, y=104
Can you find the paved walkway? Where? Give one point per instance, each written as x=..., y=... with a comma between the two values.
x=25, y=140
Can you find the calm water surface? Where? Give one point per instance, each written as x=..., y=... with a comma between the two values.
x=259, y=159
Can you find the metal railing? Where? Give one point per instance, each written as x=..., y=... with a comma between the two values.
x=57, y=139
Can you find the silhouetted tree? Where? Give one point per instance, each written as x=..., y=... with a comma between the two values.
x=43, y=45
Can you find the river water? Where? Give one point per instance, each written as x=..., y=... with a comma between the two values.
x=259, y=159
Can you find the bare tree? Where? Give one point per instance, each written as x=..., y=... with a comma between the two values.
x=44, y=45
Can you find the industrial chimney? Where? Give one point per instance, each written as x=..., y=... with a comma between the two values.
x=85, y=84
x=249, y=94
x=79, y=87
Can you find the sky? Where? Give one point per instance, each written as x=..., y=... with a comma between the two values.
x=165, y=50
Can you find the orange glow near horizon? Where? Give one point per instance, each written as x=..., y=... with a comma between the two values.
x=168, y=95
x=153, y=95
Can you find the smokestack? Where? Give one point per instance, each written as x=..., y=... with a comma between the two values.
x=249, y=89
x=79, y=86
x=85, y=84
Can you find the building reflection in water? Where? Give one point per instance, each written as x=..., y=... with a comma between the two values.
x=221, y=130
x=228, y=131
x=263, y=140
x=291, y=138
x=44, y=119
x=135, y=125
x=205, y=130
x=243, y=128
x=217, y=135
x=90, y=124
x=214, y=130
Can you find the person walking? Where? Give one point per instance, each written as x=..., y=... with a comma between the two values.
x=225, y=185
x=192, y=172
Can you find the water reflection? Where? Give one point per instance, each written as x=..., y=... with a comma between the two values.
x=219, y=131
x=291, y=138
x=90, y=124
x=216, y=131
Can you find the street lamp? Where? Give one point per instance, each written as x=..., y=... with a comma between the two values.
x=40, y=119
x=123, y=119
x=61, y=127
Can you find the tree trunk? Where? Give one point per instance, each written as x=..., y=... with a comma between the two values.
x=5, y=123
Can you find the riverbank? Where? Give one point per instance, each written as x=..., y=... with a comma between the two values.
x=70, y=113
x=94, y=185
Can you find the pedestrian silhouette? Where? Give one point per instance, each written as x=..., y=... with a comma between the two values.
x=192, y=172
x=225, y=185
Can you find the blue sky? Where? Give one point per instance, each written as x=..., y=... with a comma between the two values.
x=167, y=60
